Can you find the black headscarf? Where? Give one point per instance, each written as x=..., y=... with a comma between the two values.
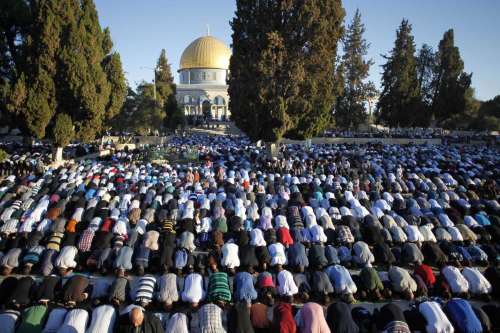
x=339, y=318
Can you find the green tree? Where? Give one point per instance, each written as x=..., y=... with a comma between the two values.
x=15, y=23
x=63, y=131
x=164, y=79
x=175, y=114
x=452, y=83
x=400, y=95
x=148, y=116
x=69, y=69
x=281, y=82
x=114, y=72
x=351, y=111
x=124, y=120
x=35, y=91
x=426, y=72
x=175, y=117
x=488, y=116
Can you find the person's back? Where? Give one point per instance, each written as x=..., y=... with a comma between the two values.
x=312, y=319
x=283, y=318
x=210, y=319
x=32, y=319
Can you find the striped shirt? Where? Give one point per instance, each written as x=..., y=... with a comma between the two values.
x=218, y=287
x=10, y=227
x=145, y=289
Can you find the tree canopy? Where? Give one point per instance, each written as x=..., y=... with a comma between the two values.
x=350, y=109
x=282, y=69
x=452, y=83
x=400, y=94
x=164, y=79
x=68, y=67
x=62, y=132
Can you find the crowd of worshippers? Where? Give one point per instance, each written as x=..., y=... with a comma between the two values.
x=238, y=242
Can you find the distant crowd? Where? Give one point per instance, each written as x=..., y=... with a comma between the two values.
x=236, y=241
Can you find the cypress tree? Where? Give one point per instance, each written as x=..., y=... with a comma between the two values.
x=320, y=27
x=351, y=112
x=15, y=23
x=112, y=66
x=281, y=78
x=164, y=79
x=426, y=72
x=452, y=83
x=114, y=72
x=400, y=95
x=69, y=70
x=35, y=89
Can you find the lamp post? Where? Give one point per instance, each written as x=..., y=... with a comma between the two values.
x=154, y=79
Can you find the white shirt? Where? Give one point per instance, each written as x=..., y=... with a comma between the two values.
x=103, y=320
x=44, y=226
x=426, y=231
x=77, y=215
x=257, y=237
x=280, y=222
x=167, y=285
x=362, y=254
x=74, y=322
x=457, y=282
x=277, y=252
x=414, y=234
x=398, y=235
x=437, y=322
x=286, y=284
x=230, y=257
x=28, y=225
x=193, y=288
x=470, y=221
x=360, y=211
x=478, y=284
x=445, y=220
x=178, y=323
x=456, y=236
x=40, y=209
x=318, y=234
x=341, y=280
x=382, y=204
x=66, y=258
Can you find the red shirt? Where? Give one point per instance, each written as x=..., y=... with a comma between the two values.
x=284, y=236
x=426, y=273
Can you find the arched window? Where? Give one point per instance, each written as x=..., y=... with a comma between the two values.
x=219, y=100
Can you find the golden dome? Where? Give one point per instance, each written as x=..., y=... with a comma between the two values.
x=206, y=52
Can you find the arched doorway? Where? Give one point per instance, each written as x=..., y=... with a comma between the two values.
x=220, y=107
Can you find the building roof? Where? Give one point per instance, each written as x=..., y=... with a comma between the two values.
x=206, y=52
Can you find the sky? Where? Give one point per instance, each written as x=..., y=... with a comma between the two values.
x=140, y=29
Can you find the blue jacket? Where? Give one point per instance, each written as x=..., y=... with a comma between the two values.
x=462, y=316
